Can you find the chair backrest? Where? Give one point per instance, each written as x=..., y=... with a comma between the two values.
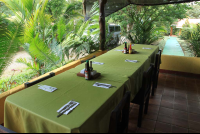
x=158, y=60
x=5, y=130
x=147, y=80
x=88, y=59
x=29, y=84
x=120, y=115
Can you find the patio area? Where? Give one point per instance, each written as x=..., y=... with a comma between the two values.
x=175, y=108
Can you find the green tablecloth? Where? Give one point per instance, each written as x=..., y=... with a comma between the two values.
x=116, y=69
x=34, y=110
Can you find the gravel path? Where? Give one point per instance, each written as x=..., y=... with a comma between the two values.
x=14, y=65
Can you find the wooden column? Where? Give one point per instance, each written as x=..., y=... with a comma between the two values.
x=102, y=24
x=84, y=7
x=171, y=32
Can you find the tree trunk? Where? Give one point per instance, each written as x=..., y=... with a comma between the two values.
x=84, y=7
x=171, y=32
x=102, y=24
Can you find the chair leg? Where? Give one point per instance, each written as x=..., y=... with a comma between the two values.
x=146, y=105
x=156, y=83
x=140, y=115
x=153, y=89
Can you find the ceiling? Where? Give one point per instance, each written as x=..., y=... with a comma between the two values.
x=115, y=5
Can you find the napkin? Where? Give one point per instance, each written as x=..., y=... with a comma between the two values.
x=97, y=63
x=82, y=71
x=133, y=61
x=146, y=48
x=119, y=50
x=71, y=105
x=92, y=73
x=102, y=85
x=47, y=88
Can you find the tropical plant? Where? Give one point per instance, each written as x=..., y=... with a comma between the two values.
x=55, y=8
x=186, y=31
x=194, y=12
x=145, y=24
x=11, y=32
x=195, y=41
x=51, y=43
x=35, y=66
x=15, y=80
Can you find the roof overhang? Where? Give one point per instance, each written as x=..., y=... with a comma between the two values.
x=114, y=5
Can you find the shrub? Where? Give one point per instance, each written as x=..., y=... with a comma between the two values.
x=15, y=80
x=186, y=33
x=195, y=41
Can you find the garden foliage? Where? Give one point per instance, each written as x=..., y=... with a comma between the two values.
x=146, y=24
x=186, y=31
x=195, y=41
x=51, y=41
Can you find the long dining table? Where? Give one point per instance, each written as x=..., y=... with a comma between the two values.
x=34, y=110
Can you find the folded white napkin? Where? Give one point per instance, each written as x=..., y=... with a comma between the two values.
x=67, y=108
x=92, y=73
x=47, y=88
x=102, y=85
x=146, y=48
x=82, y=71
x=97, y=63
x=133, y=61
x=119, y=50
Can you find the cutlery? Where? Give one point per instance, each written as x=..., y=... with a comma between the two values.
x=66, y=106
x=98, y=84
x=66, y=110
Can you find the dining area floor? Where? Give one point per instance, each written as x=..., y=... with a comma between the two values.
x=175, y=107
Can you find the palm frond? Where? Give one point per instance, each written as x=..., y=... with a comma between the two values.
x=10, y=37
x=61, y=29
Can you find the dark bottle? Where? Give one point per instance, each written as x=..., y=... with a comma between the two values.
x=88, y=70
x=125, y=49
x=91, y=69
x=126, y=45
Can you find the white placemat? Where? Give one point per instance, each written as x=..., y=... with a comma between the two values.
x=97, y=63
x=102, y=85
x=133, y=61
x=67, y=108
x=47, y=88
x=146, y=48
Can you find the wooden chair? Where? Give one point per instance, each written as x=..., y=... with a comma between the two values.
x=120, y=116
x=29, y=84
x=5, y=130
x=88, y=59
x=156, y=72
x=142, y=97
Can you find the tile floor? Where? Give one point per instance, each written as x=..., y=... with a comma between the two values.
x=175, y=108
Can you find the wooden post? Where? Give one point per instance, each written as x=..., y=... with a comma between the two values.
x=84, y=7
x=102, y=24
x=171, y=32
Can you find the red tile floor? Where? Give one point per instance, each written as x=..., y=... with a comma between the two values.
x=175, y=107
